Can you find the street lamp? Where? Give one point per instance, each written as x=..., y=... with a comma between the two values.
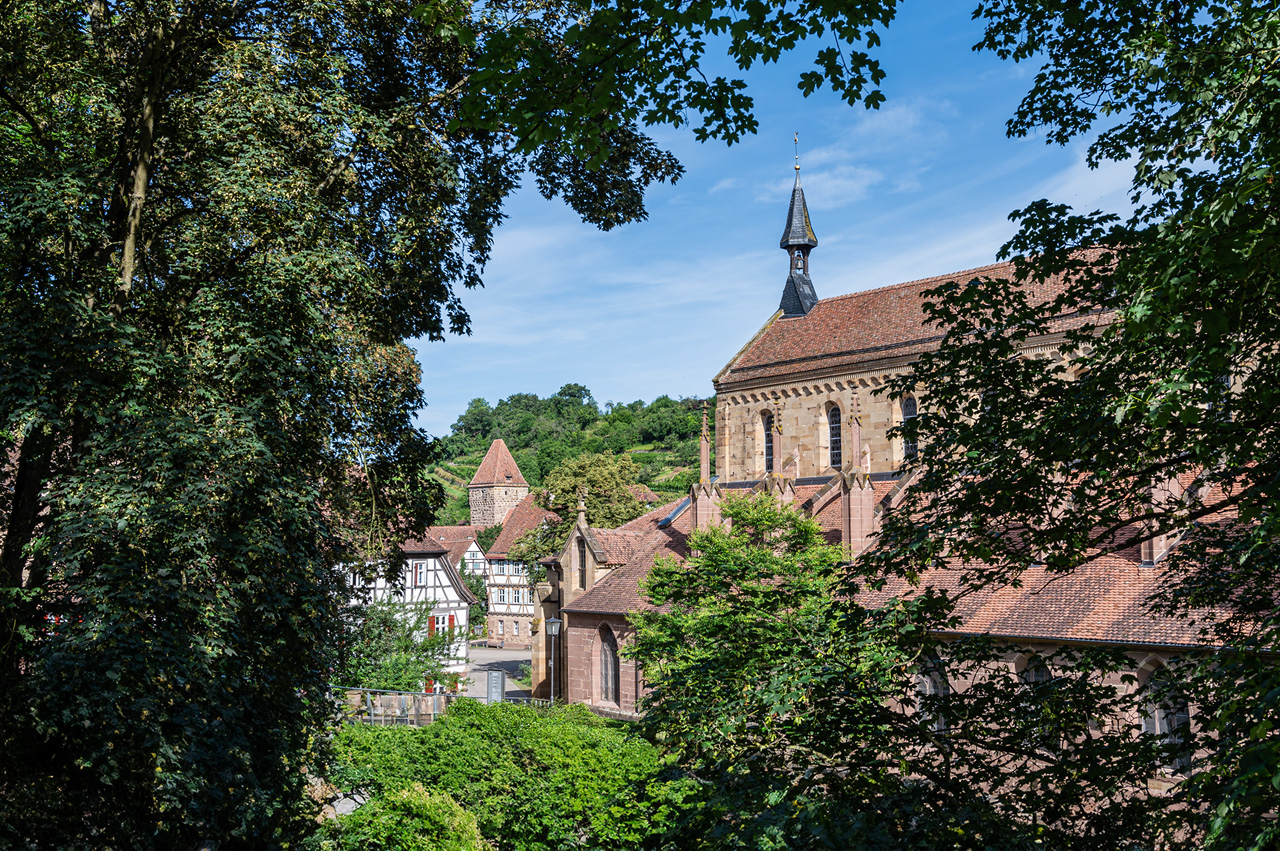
x=553, y=630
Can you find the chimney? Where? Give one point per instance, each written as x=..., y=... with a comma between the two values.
x=1163, y=495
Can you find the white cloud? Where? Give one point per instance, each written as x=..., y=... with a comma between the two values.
x=890, y=147
x=1086, y=189
x=726, y=184
x=826, y=189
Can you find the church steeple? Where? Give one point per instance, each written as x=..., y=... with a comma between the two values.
x=798, y=296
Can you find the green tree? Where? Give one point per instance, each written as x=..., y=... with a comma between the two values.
x=391, y=645
x=574, y=403
x=219, y=221
x=607, y=483
x=476, y=421
x=814, y=713
x=1158, y=423
x=667, y=422
x=486, y=536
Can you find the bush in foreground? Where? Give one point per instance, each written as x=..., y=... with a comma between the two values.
x=530, y=778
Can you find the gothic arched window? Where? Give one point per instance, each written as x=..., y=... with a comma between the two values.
x=609, y=666
x=767, y=419
x=1042, y=685
x=582, y=563
x=1168, y=716
x=932, y=689
x=909, y=411
x=833, y=429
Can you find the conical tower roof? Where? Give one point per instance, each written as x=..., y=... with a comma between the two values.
x=799, y=232
x=498, y=467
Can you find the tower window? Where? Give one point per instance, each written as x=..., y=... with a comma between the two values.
x=908, y=414
x=767, y=419
x=833, y=428
x=582, y=563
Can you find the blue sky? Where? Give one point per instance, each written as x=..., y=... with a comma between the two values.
x=923, y=186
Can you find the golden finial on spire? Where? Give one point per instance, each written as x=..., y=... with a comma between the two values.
x=796, y=141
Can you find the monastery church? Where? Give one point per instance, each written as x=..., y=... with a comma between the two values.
x=795, y=416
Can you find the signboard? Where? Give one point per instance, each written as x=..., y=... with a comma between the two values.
x=497, y=689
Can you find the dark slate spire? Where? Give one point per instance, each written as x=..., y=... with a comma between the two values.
x=798, y=296
x=799, y=232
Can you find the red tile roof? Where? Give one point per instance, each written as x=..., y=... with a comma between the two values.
x=525, y=516
x=1101, y=602
x=424, y=546
x=616, y=546
x=858, y=327
x=619, y=592
x=643, y=493
x=498, y=467
x=455, y=539
x=1104, y=601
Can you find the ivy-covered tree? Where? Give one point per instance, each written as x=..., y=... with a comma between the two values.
x=219, y=222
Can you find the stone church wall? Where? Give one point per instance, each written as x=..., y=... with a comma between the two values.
x=801, y=401
x=582, y=640
x=802, y=405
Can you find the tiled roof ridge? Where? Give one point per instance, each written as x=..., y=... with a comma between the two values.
x=650, y=516
x=905, y=284
x=619, y=532
x=884, y=347
x=945, y=276
x=526, y=515
x=460, y=527
x=416, y=545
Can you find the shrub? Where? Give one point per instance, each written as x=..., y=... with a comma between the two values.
x=412, y=819
x=542, y=779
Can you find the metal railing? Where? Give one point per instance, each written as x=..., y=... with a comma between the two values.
x=408, y=708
